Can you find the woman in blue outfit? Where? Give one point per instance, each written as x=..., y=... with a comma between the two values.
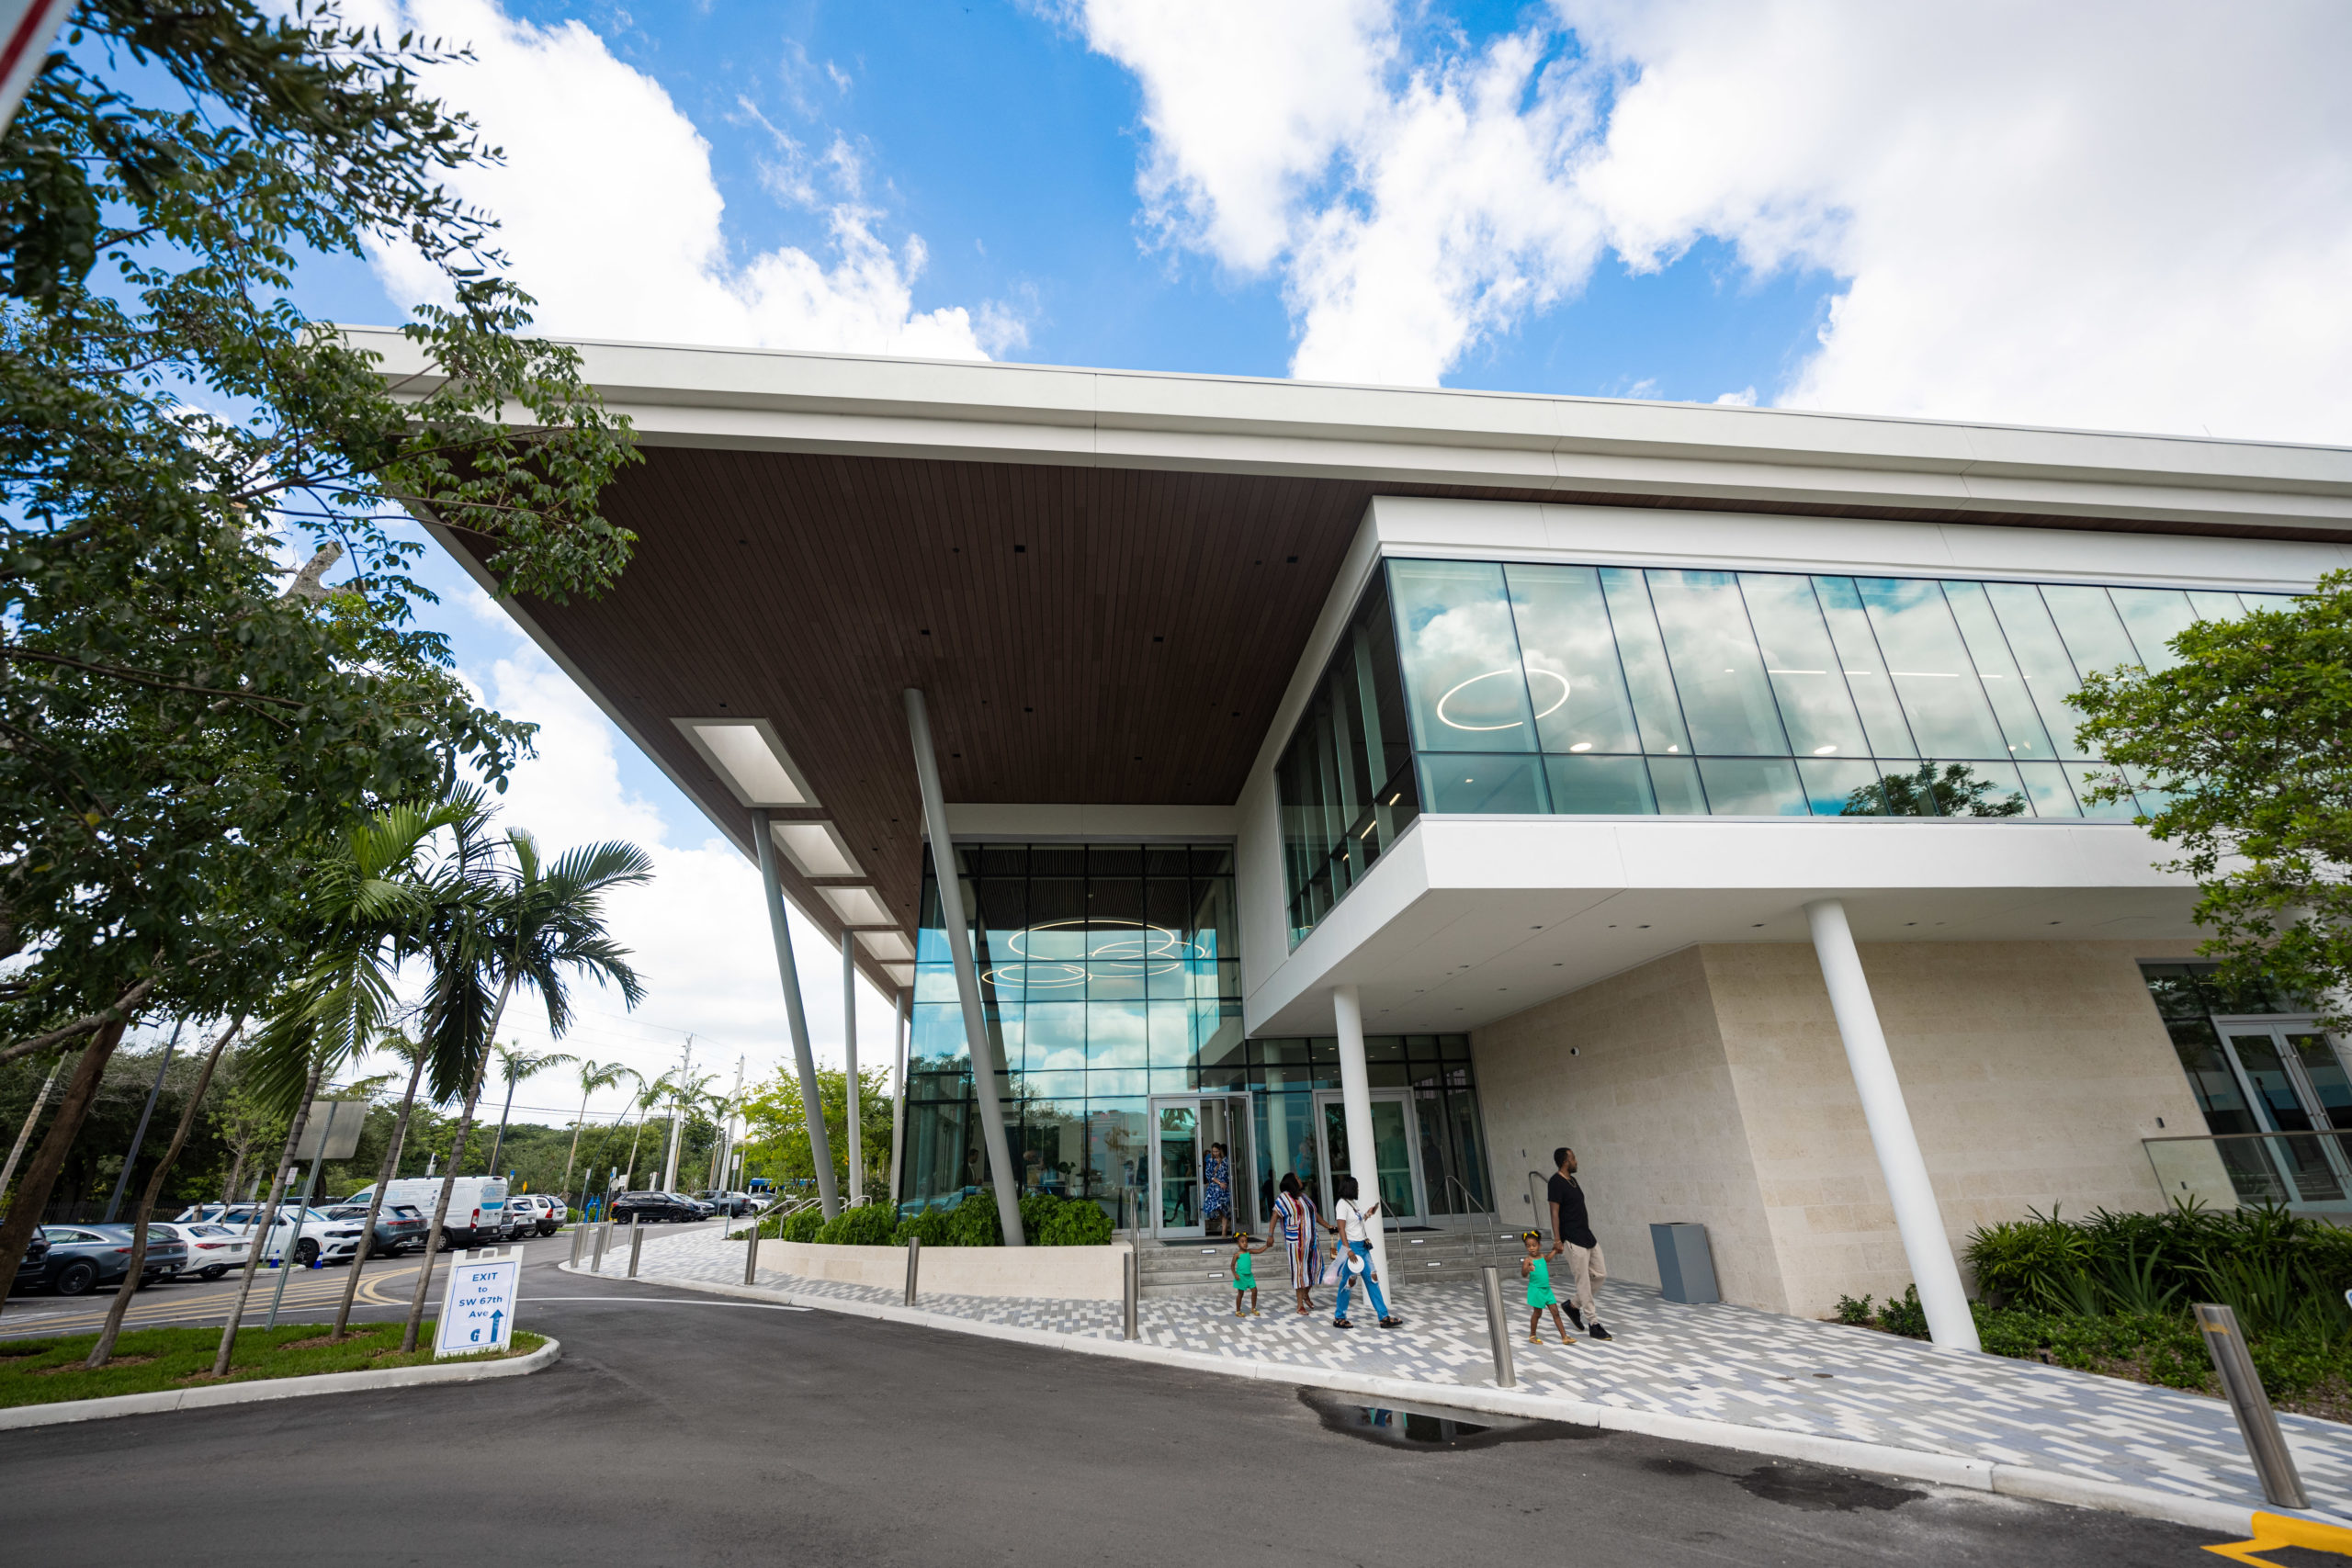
x=1355, y=1251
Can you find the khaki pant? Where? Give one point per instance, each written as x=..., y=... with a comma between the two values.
x=1587, y=1273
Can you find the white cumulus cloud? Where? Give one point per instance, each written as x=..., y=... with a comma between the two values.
x=613, y=220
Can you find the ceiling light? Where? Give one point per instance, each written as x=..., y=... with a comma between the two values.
x=815, y=849
x=746, y=754
x=1581, y=745
x=857, y=905
x=890, y=945
x=1823, y=751
x=901, y=974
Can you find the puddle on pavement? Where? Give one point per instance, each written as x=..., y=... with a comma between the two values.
x=1803, y=1487
x=1429, y=1427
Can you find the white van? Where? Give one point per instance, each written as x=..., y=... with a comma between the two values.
x=477, y=1206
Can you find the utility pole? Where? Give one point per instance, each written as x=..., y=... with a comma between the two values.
x=677, y=1117
x=726, y=1149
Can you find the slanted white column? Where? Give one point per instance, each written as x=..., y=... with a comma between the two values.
x=1355, y=1100
x=804, y=1058
x=898, y=1033
x=849, y=1052
x=984, y=1082
x=1917, y=1218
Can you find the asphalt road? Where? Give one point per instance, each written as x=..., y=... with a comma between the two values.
x=686, y=1429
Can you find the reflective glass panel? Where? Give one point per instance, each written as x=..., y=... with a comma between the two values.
x=1471, y=784
x=1988, y=651
x=1864, y=668
x=1753, y=786
x=1718, y=672
x=1930, y=668
x=1801, y=665
x=2088, y=776
x=1657, y=710
x=1675, y=782
x=1601, y=786
x=2041, y=659
x=2153, y=616
x=2093, y=632
x=1577, y=688
x=2046, y=788
x=2326, y=1070
x=1839, y=788
x=2214, y=605
x=1461, y=656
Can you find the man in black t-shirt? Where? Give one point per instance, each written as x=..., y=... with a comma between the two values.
x=1572, y=1239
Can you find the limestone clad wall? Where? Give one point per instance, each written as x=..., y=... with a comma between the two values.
x=1711, y=1086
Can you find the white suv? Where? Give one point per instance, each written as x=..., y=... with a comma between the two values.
x=530, y=1211
x=332, y=1241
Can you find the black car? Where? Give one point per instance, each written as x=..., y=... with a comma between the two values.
x=399, y=1228
x=82, y=1258
x=650, y=1208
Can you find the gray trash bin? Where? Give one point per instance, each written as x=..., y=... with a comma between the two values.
x=1686, y=1269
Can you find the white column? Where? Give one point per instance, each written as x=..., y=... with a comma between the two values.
x=804, y=1059
x=1355, y=1101
x=984, y=1082
x=899, y=1034
x=1917, y=1218
x=849, y=1052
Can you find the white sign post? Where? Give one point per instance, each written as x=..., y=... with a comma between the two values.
x=478, y=1314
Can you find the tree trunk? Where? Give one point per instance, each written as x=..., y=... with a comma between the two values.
x=569, y=1160
x=376, y=1205
x=500, y=1142
x=236, y=1173
x=48, y=1160
x=262, y=1232
x=104, y=1350
x=32, y=1119
x=450, y=1179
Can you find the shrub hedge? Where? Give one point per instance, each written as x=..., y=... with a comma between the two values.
x=1045, y=1221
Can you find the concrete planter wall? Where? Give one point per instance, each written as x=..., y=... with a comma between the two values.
x=1068, y=1274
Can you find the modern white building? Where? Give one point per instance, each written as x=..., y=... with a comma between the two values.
x=1458, y=775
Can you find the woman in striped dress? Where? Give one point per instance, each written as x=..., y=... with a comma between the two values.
x=1294, y=1210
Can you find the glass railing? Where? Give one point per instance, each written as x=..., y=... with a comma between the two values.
x=2299, y=1170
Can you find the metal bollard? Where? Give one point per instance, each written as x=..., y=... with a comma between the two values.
x=915, y=1262
x=1498, y=1328
x=636, y=1244
x=2272, y=1461
x=1134, y=1287
x=579, y=1240
x=751, y=1254
x=603, y=1230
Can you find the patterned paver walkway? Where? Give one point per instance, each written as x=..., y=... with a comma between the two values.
x=1717, y=1363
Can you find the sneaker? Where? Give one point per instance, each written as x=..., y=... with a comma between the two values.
x=1600, y=1332
x=1576, y=1316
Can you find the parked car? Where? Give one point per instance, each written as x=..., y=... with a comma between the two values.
x=652, y=1208
x=323, y=1238
x=33, y=1267
x=82, y=1258
x=732, y=1204
x=477, y=1206
x=398, y=1226
x=212, y=1248
x=535, y=1213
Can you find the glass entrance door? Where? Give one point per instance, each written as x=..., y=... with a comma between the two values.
x=1200, y=1161
x=2296, y=1083
x=1396, y=1151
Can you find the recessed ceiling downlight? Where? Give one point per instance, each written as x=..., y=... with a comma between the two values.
x=748, y=758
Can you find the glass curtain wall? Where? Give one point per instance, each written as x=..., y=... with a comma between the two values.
x=1108, y=973
x=1283, y=1076
x=1595, y=689
x=1346, y=779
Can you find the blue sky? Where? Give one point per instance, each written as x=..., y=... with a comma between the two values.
x=2132, y=217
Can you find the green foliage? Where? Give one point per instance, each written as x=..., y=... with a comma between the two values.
x=2242, y=740
x=1905, y=1317
x=930, y=1226
x=1855, y=1314
x=1954, y=792
x=804, y=1226
x=776, y=1135
x=45, y=1371
x=1045, y=1221
x=1063, y=1222
x=2279, y=1270
x=869, y=1225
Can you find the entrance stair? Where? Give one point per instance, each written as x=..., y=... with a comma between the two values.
x=1195, y=1267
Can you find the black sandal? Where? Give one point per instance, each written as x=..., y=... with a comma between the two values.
x=1342, y=1323
x=1392, y=1322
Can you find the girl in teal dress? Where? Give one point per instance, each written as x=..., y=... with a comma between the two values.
x=1538, y=1275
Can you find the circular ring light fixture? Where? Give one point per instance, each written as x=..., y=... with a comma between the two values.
x=1509, y=670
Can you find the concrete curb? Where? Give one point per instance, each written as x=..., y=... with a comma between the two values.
x=255, y=1392
x=1846, y=1453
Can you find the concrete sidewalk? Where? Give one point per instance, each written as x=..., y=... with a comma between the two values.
x=1726, y=1375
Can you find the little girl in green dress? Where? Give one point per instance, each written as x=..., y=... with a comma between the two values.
x=1538, y=1275
x=1245, y=1273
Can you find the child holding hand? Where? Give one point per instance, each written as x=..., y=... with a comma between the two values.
x=1245, y=1273
x=1538, y=1275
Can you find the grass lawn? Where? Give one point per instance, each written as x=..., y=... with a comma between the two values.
x=148, y=1360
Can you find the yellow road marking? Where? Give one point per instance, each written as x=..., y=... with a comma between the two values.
x=157, y=1312
x=2272, y=1532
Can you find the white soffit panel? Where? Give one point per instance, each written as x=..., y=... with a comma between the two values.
x=891, y=944
x=857, y=905
x=815, y=849
x=746, y=754
x=903, y=973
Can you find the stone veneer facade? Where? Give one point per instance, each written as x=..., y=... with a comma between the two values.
x=1711, y=1084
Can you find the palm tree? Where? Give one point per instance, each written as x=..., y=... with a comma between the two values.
x=518, y=1066
x=594, y=1076
x=533, y=926
x=649, y=1095
x=687, y=1096
x=399, y=1045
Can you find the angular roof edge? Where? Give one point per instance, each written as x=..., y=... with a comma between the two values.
x=1533, y=443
